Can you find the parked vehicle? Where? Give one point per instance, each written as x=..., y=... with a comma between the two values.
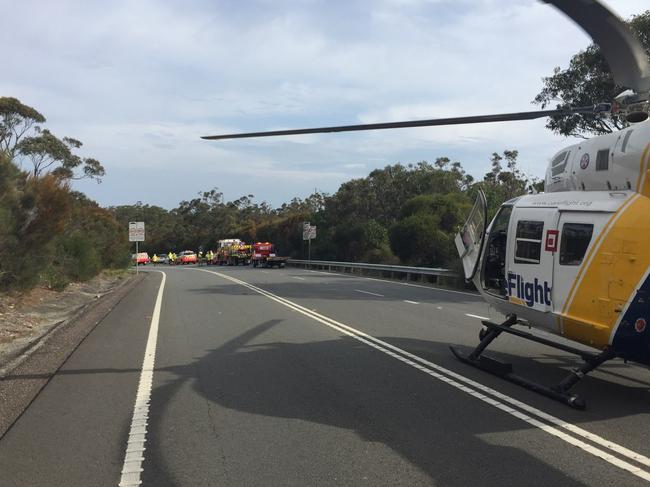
x=264, y=256
x=187, y=257
x=141, y=258
x=232, y=251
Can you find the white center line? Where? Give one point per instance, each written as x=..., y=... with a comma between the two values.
x=296, y=277
x=532, y=415
x=368, y=292
x=134, y=456
x=476, y=316
x=411, y=302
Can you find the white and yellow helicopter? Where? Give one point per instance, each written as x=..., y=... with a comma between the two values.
x=575, y=260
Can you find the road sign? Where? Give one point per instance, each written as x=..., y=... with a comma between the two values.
x=308, y=232
x=136, y=231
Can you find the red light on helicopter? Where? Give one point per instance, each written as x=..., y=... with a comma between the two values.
x=551, y=240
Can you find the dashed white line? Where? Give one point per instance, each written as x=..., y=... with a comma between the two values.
x=300, y=278
x=134, y=456
x=411, y=302
x=434, y=288
x=368, y=292
x=476, y=316
x=477, y=390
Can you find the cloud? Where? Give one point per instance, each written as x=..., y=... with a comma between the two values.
x=139, y=82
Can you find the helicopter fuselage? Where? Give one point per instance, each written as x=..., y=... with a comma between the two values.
x=576, y=260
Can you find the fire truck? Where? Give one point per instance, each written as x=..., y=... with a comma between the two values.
x=232, y=251
x=264, y=256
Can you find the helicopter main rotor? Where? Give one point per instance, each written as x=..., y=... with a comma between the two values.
x=623, y=52
x=501, y=117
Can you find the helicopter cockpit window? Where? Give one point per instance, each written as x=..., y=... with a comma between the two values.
x=528, y=245
x=494, y=262
x=575, y=241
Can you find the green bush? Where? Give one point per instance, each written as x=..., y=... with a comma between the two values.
x=83, y=262
x=53, y=236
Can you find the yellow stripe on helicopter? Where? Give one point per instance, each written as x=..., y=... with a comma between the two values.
x=611, y=271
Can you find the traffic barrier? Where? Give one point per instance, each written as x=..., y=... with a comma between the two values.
x=433, y=275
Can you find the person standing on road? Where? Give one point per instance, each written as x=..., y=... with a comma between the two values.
x=154, y=259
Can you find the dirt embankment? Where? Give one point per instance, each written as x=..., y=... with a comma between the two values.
x=25, y=318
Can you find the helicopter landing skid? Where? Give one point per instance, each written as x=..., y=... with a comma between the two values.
x=559, y=392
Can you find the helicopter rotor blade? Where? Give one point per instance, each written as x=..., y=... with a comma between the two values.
x=501, y=117
x=624, y=53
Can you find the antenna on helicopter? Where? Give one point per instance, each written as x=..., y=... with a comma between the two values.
x=623, y=52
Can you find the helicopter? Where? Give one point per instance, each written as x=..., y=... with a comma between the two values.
x=575, y=260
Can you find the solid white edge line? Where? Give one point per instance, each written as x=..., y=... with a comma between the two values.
x=134, y=455
x=476, y=316
x=411, y=359
x=368, y=292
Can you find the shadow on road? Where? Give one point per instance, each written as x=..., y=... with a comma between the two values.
x=346, y=384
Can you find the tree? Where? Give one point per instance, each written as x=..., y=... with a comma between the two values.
x=587, y=81
x=16, y=120
x=500, y=184
x=418, y=240
x=48, y=153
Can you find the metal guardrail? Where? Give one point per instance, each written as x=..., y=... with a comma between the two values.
x=382, y=268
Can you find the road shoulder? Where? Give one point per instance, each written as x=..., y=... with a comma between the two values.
x=22, y=382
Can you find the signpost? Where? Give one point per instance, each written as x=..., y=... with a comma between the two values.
x=308, y=233
x=136, y=234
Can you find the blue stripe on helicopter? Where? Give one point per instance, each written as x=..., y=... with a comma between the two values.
x=632, y=337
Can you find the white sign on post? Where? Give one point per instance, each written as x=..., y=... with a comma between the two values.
x=305, y=230
x=136, y=231
x=312, y=232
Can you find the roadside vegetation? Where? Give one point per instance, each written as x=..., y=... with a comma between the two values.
x=49, y=234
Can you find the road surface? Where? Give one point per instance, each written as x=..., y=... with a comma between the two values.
x=242, y=376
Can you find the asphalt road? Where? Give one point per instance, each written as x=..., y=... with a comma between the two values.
x=293, y=377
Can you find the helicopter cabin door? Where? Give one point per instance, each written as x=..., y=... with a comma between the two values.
x=533, y=243
x=469, y=241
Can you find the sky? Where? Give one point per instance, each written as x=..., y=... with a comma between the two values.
x=138, y=82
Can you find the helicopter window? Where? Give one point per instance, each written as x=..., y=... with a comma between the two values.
x=602, y=160
x=575, y=240
x=528, y=245
x=559, y=163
